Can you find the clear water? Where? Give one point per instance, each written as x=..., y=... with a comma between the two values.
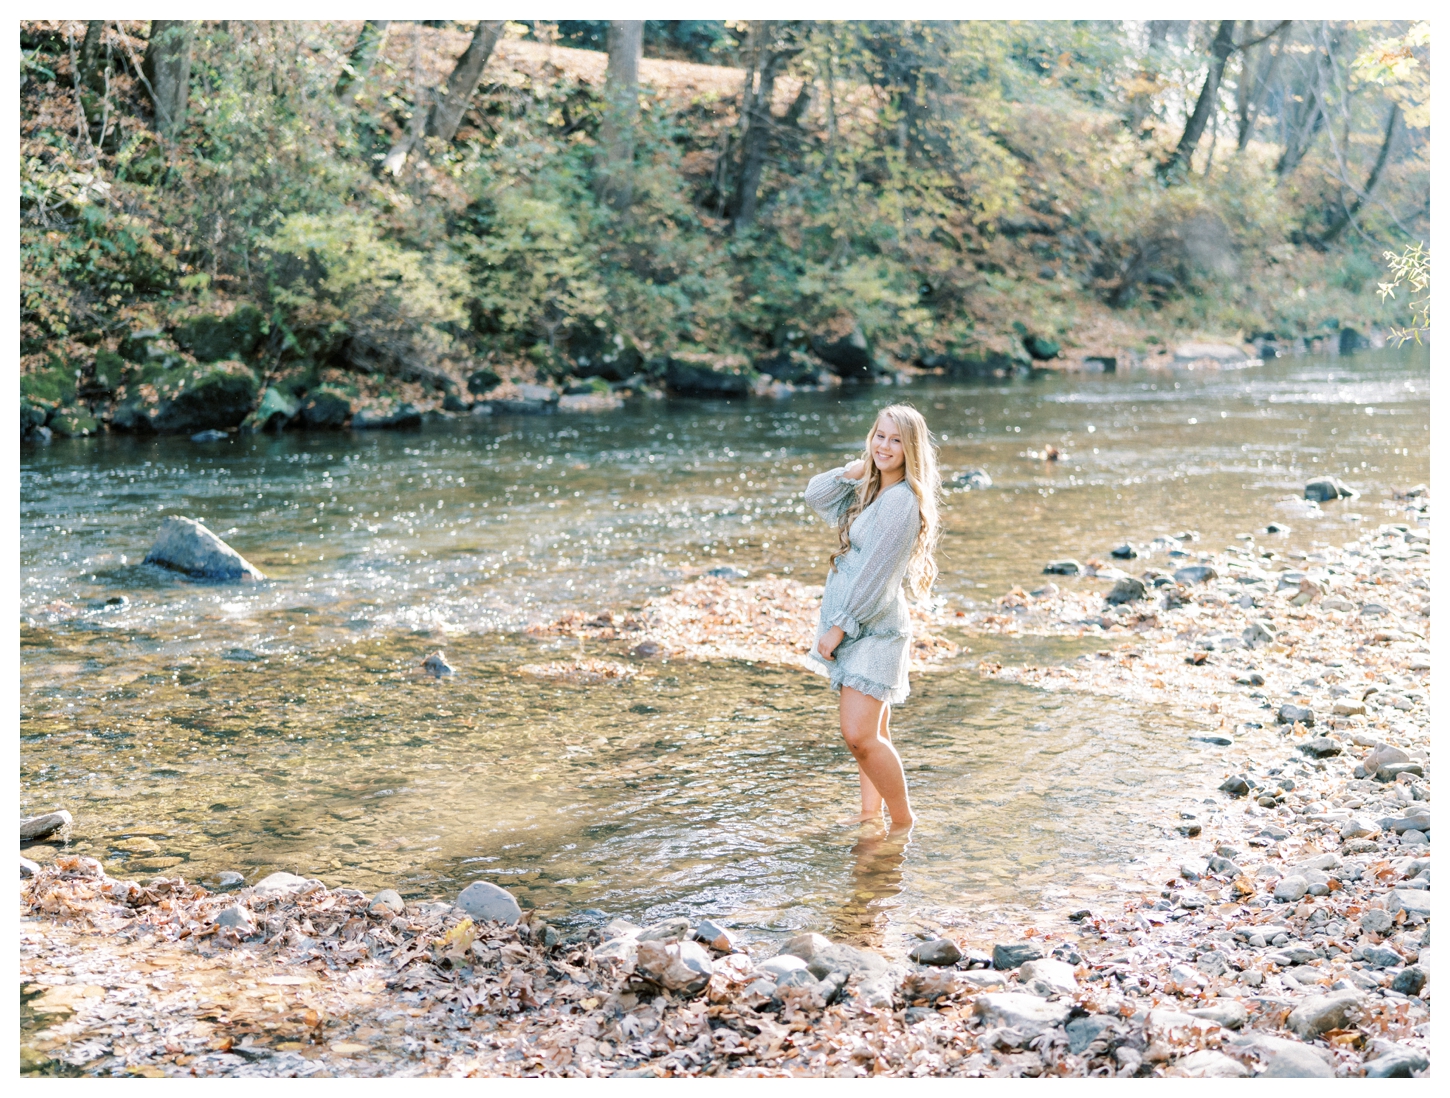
x=285, y=725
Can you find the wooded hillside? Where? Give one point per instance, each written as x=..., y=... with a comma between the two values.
x=214, y=210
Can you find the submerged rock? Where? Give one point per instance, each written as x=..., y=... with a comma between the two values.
x=972, y=479
x=38, y=827
x=437, y=666
x=1324, y=489
x=1065, y=567
x=185, y=545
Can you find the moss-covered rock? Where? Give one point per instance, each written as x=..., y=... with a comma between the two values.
x=32, y=415
x=791, y=367
x=164, y=400
x=327, y=406
x=274, y=412
x=213, y=338
x=482, y=381
x=50, y=386
x=74, y=423
x=847, y=352
x=701, y=377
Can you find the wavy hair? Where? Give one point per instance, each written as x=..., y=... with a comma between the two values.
x=919, y=451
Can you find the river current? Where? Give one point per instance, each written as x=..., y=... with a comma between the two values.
x=192, y=728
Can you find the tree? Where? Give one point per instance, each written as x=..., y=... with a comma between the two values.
x=1350, y=212
x=768, y=49
x=167, y=68
x=1219, y=50
x=364, y=51
x=625, y=42
x=1255, y=80
x=446, y=114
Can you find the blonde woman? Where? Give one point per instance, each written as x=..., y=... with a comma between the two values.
x=883, y=506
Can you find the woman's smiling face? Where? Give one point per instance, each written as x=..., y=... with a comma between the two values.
x=887, y=449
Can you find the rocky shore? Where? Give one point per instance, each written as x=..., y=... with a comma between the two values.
x=1294, y=943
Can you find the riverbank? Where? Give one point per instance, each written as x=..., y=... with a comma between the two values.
x=1295, y=943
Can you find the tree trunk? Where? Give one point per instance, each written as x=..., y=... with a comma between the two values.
x=364, y=52
x=1253, y=86
x=447, y=113
x=167, y=68
x=90, y=59
x=1303, y=113
x=768, y=62
x=1223, y=45
x=615, y=178
x=1140, y=102
x=1351, y=212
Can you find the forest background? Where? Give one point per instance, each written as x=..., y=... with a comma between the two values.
x=286, y=222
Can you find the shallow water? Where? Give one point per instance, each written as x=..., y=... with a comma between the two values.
x=285, y=725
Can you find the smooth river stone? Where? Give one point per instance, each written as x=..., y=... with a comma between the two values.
x=486, y=902
x=185, y=545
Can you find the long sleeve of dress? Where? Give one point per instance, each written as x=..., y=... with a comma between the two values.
x=829, y=494
x=878, y=579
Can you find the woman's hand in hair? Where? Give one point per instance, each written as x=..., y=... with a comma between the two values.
x=854, y=471
x=830, y=640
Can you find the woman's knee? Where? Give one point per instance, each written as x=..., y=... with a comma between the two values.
x=859, y=739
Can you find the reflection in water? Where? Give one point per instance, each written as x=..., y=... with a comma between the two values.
x=876, y=880
x=284, y=725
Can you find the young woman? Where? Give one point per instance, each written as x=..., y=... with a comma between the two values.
x=884, y=508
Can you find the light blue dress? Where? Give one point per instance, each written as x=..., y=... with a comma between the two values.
x=863, y=594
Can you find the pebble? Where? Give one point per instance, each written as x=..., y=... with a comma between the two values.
x=229, y=878
x=1082, y=1032
x=938, y=951
x=1296, y=1062
x=1056, y=977
x=1321, y=747
x=1410, y=980
x=1228, y=1013
x=237, y=918
x=1067, y=567
x=28, y=868
x=714, y=935
x=728, y=571
x=1324, y=489
x=1030, y=1015
x=1006, y=957
x=1397, y=1062
x=486, y=902
x=678, y=966
x=437, y=666
x=387, y=900
x=1290, y=889
x=1209, y=1064
x=1289, y=713
x=646, y=650
x=1195, y=573
x=1234, y=786
x=1126, y=551
x=667, y=930
x=1320, y=1013
x=1128, y=589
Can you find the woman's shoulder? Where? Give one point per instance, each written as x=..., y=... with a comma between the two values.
x=900, y=499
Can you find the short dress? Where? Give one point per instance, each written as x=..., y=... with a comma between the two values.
x=864, y=593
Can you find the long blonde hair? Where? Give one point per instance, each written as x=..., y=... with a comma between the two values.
x=919, y=451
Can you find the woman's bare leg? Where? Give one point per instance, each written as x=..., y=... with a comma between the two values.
x=861, y=726
x=871, y=803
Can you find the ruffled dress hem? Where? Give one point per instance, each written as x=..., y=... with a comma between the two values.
x=880, y=691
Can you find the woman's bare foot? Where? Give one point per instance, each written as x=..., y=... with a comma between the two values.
x=903, y=826
x=861, y=818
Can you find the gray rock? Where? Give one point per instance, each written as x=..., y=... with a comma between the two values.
x=781, y=964
x=1388, y=772
x=1410, y=980
x=1383, y=753
x=281, y=882
x=487, y=903
x=38, y=827
x=1006, y=957
x=28, y=868
x=1382, y=956
x=401, y=415
x=1397, y=1062
x=1082, y=1032
x=1289, y=713
x=666, y=930
x=1409, y=901
x=1195, y=573
x=1321, y=747
x=824, y=957
x=1290, y=889
x=1029, y=1014
x=678, y=966
x=185, y=545
x=938, y=951
x=796, y=977
x=387, y=901
x=622, y=928
x=229, y=878
x=1376, y=921
x=437, y=666
x=1057, y=976
x=1324, y=489
x=714, y=935
x=1320, y=1013
x=1127, y=589
x=1206, y=1063
x=1234, y=786
x=1067, y=567
x=1213, y=963
x=1228, y=1013
x=237, y=918
x=1126, y=551
x=1296, y=1062
x=728, y=571
x=1224, y=867
x=1216, y=740
x=1258, y=633
x=624, y=949
x=1402, y=824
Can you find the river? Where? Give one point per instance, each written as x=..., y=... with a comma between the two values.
x=193, y=728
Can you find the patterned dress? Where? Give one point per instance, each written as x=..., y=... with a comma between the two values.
x=863, y=594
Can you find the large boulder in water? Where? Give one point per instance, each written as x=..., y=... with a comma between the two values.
x=847, y=353
x=693, y=377
x=1324, y=489
x=274, y=412
x=166, y=400
x=185, y=545
x=327, y=406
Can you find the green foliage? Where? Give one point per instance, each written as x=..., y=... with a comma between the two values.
x=1410, y=268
